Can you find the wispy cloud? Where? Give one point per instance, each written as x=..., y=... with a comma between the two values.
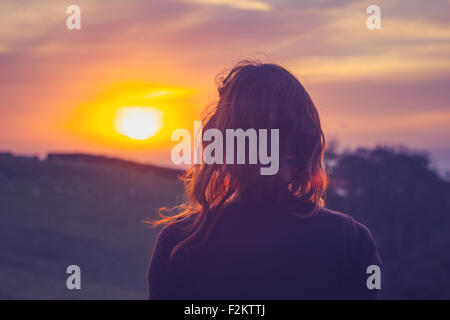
x=238, y=4
x=374, y=68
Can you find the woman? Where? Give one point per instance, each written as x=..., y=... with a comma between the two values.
x=243, y=235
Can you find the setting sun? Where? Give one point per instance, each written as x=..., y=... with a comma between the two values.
x=138, y=123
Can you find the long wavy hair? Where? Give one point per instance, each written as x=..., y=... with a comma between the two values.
x=260, y=96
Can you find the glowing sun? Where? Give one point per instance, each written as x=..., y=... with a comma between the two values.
x=138, y=123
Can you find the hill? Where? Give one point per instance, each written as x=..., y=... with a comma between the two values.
x=78, y=209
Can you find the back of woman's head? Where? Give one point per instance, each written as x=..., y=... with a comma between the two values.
x=257, y=96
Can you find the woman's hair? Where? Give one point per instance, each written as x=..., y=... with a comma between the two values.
x=259, y=96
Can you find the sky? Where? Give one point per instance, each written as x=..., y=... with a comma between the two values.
x=60, y=88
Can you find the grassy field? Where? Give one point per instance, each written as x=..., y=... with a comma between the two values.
x=88, y=211
x=58, y=213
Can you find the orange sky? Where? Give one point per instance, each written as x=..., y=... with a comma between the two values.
x=60, y=87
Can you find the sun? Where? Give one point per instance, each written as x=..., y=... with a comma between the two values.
x=139, y=123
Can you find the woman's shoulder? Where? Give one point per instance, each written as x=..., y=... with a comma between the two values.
x=174, y=232
x=171, y=231
x=345, y=222
x=326, y=213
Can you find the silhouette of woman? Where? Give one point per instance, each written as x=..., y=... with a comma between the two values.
x=243, y=235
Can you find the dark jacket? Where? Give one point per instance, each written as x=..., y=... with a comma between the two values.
x=266, y=252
